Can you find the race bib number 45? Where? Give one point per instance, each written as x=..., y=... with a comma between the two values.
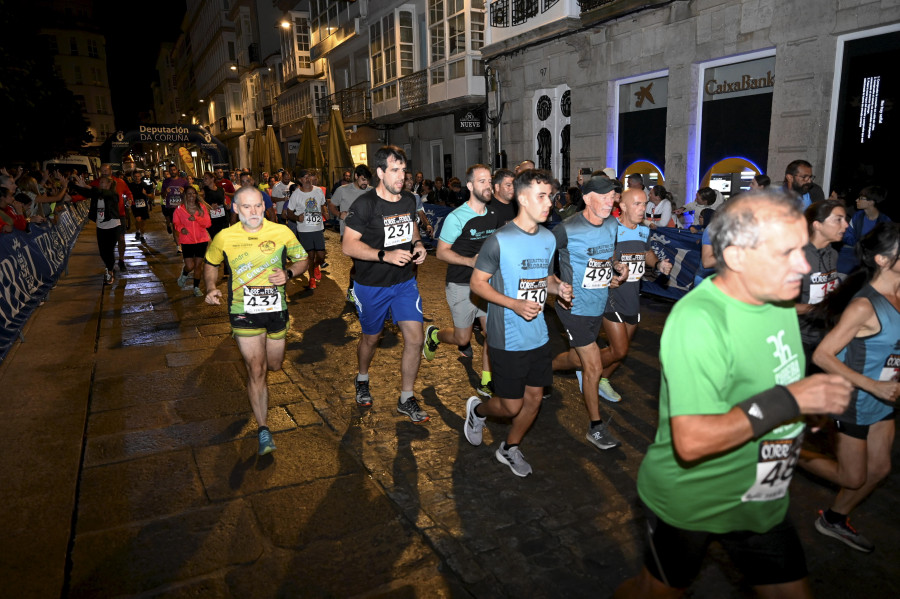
x=774, y=469
x=598, y=274
x=398, y=229
x=533, y=290
x=261, y=299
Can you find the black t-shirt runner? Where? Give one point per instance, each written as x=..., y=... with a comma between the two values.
x=141, y=193
x=506, y=212
x=384, y=226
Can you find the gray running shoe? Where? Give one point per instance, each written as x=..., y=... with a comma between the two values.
x=363, y=397
x=844, y=533
x=266, y=445
x=602, y=437
x=514, y=459
x=411, y=408
x=474, y=424
x=182, y=279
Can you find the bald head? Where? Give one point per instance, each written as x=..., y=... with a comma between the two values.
x=633, y=205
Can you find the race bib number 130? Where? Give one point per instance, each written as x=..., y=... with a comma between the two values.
x=533, y=290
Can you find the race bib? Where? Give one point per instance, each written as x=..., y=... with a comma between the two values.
x=261, y=299
x=312, y=218
x=533, y=290
x=100, y=213
x=398, y=229
x=636, y=266
x=821, y=284
x=774, y=469
x=139, y=203
x=598, y=274
x=174, y=200
x=216, y=211
x=891, y=370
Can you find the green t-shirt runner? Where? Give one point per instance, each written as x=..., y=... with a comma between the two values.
x=716, y=352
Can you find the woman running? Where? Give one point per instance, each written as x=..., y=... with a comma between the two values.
x=191, y=221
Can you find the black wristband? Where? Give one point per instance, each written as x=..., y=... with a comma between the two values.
x=417, y=241
x=769, y=409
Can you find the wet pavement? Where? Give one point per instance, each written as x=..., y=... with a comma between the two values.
x=131, y=464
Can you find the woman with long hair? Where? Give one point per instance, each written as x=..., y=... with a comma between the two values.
x=191, y=221
x=862, y=348
x=659, y=208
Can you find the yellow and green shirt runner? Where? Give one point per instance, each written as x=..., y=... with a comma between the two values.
x=252, y=256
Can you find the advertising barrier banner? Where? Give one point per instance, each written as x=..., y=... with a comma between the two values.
x=682, y=249
x=30, y=265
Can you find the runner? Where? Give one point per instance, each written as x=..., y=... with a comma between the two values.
x=729, y=423
x=305, y=213
x=191, y=221
x=382, y=238
x=257, y=305
x=586, y=243
x=504, y=198
x=863, y=347
x=462, y=235
x=513, y=273
x=142, y=193
x=173, y=192
x=623, y=309
x=343, y=198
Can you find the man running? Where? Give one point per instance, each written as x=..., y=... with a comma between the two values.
x=342, y=199
x=623, y=310
x=504, y=200
x=257, y=305
x=462, y=235
x=306, y=212
x=730, y=426
x=142, y=193
x=513, y=273
x=382, y=238
x=586, y=243
x=173, y=193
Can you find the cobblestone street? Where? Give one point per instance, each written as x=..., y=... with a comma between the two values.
x=134, y=470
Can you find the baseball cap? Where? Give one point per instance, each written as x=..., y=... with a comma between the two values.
x=598, y=185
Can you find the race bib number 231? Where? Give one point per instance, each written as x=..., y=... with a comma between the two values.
x=398, y=229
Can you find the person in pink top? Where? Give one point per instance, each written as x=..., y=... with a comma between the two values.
x=191, y=220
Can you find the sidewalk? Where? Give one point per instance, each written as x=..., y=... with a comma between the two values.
x=132, y=470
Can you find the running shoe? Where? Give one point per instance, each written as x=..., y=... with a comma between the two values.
x=312, y=283
x=265, y=442
x=411, y=408
x=182, y=279
x=351, y=297
x=363, y=397
x=473, y=425
x=602, y=437
x=122, y=267
x=169, y=228
x=431, y=342
x=197, y=292
x=178, y=251
x=465, y=350
x=137, y=237
x=317, y=273
x=324, y=265
x=486, y=390
x=607, y=392
x=108, y=278
x=514, y=459
x=844, y=533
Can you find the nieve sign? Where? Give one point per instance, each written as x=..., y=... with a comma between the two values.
x=469, y=121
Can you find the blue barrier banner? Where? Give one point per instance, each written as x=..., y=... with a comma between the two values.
x=30, y=265
x=682, y=249
x=436, y=215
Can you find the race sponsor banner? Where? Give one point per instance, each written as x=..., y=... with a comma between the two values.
x=436, y=215
x=682, y=249
x=30, y=265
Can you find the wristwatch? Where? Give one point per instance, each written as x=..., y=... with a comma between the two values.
x=381, y=256
x=289, y=273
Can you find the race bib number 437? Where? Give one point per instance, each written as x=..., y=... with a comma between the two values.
x=261, y=299
x=398, y=229
x=533, y=290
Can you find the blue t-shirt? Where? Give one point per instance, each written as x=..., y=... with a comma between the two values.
x=585, y=261
x=267, y=200
x=631, y=249
x=465, y=230
x=519, y=263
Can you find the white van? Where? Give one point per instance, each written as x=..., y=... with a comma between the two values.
x=88, y=165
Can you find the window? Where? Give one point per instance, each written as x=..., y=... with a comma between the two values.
x=54, y=44
x=73, y=46
x=100, y=102
x=96, y=78
x=79, y=80
x=390, y=49
x=437, y=75
x=81, y=103
x=301, y=35
x=477, y=19
x=449, y=21
x=456, y=33
x=406, y=44
x=375, y=52
x=231, y=51
x=435, y=11
x=456, y=69
x=437, y=43
x=92, y=49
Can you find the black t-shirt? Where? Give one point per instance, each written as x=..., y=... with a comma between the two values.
x=505, y=212
x=384, y=226
x=140, y=192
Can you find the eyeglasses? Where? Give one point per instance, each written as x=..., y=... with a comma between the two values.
x=863, y=198
x=805, y=177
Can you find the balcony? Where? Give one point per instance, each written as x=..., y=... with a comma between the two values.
x=354, y=103
x=414, y=90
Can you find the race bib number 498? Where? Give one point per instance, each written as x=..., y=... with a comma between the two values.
x=398, y=229
x=533, y=290
x=597, y=274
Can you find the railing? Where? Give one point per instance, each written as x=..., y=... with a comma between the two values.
x=354, y=103
x=587, y=5
x=414, y=90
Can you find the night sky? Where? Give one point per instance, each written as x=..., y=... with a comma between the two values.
x=133, y=38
